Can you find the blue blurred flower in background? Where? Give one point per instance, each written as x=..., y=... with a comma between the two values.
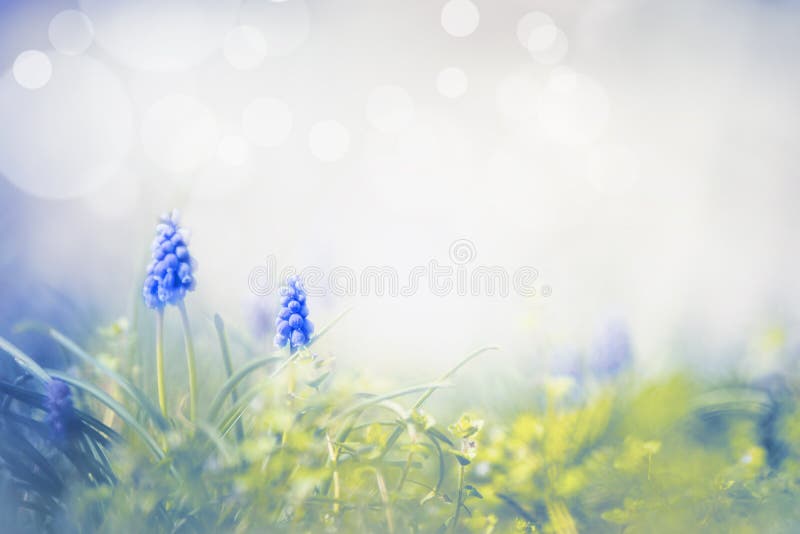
x=611, y=351
x=60, y=410
x=171, y=273
x=292, y=324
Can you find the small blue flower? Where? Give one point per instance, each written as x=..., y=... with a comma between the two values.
x=60, y=411
x=171, y=273
x=292, y=325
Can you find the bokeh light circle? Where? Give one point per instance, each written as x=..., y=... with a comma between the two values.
x=267, y=122
x=71, y=32
x=548, y=45
x=530, y=22
x=69, y=136
x=329, y=140
x=389, y=109
x=460, y=17
x=544, y=40
x=154, y=35
x=245, y=47
x=179, y=133
x=32, y=69
x=452, y=82
x=284, y=25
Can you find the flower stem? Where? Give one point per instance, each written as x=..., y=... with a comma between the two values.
x=460, y=500
x=190, y=362
x=162, y=392
x=226, y=359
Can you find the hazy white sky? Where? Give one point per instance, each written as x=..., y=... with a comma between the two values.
x=641, y=155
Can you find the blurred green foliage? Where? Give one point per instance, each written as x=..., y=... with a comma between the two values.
x=321, y=453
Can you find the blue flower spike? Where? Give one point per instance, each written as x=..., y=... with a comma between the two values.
x=170, y=274
x=60, y=410
x=292, y=325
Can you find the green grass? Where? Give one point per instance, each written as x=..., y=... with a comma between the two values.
x=283, y=443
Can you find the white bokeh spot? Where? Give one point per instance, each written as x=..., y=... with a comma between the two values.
x=530, y=22
x=548, y=53
x=179, y=133
x=329, y=140
x=245, y=47
x=460, y=17
x=32, y=69
x=71, y=135
x=154, y=35
x=452, y=82
x=71, y=32
x=389, y=109
x=544, y=40
x=267, y=122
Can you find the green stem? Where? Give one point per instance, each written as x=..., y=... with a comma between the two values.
x=387, y=505
x=460, y=500
x=190, y=362
x=162, y=391
x=226, y=358
x=406, y=469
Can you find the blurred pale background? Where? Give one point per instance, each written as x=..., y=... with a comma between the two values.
x=642, y=155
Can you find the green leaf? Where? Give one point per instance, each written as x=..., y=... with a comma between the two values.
x=226, y=359
x=360, y=407
x=472, y=491
x=230, y=384
x=116, y=408
x=438, y=434
x=463, y=460
x=137, y=394
x=317, y=382
x=24, y=361
x=425, y=396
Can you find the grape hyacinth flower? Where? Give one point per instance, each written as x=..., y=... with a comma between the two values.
x=60, y=410
x=292, y=324
x=170, y=274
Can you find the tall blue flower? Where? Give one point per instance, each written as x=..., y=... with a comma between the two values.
x=292, y=324
x=60, y=411
x=171, y=273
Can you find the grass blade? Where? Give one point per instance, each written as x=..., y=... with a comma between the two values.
x=361, y=406
x=226, y=358
x=24, y=361
x=230, y=384
x=425, y=396
x=137, y=394
x=123, y=414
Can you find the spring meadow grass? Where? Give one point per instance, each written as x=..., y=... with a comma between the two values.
x=133, y=437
